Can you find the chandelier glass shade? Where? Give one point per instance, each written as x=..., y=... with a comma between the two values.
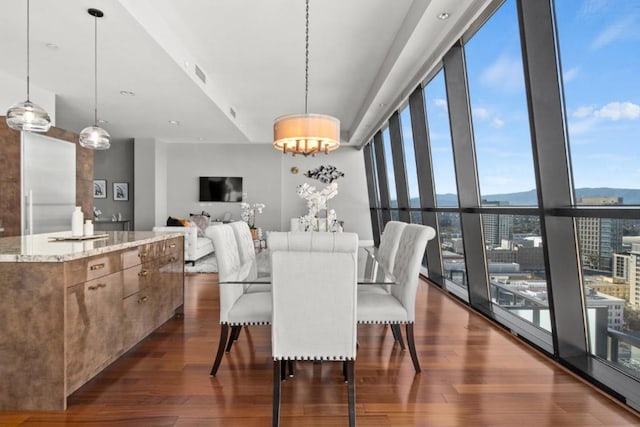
x=306, y=134
x=27, y=116
x=94, y=137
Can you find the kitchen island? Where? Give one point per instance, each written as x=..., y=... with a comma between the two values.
x=69, y=308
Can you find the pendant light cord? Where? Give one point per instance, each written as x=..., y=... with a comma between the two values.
x=306, y=62
x=95, y=70
x=28, y=51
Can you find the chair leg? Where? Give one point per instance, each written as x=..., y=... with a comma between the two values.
x=344, y=372
x=224, y=333
x=235, y=333
x=277, y=373
x=412, y=348
x=283, y=369
x=397, y=334
x=291, y=367
x=351, y=386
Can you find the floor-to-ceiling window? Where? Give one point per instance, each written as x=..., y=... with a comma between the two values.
x=532, y=129
x=450, y=232
x=597, y=41
x=410, y=165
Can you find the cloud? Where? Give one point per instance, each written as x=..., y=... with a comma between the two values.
x=619, y=110
x=618, y=30
x=584, y=111
x=594, y=6
x=440, y=102
x=570, y=74
x=504, y=73
x=497, y=123
x=588, y=117
x=481, y=113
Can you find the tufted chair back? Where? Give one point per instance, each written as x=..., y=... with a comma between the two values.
x=229, y=264
x=246, y=248
x=389, y=241
x=314, y=278
x=408, y=260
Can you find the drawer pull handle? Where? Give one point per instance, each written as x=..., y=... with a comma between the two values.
x=96, y=267
x=173, y=259
x=102, y=285
x=142, y=254
x=173, y=245
x=143, y=273
x=142, y=300
x=92, y=287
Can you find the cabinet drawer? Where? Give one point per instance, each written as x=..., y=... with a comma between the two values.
x=138, y=317
x=137, y=278
x=85, y=269
x=136, y=256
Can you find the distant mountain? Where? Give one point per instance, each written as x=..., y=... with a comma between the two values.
x=530, y=198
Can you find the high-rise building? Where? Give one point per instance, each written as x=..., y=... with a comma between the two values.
x=496, y=227
x=600, y=238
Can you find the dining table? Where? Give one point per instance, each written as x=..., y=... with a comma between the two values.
x=371, y=271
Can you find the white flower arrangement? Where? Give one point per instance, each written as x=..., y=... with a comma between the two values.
x=316, y=202
x=249, y=212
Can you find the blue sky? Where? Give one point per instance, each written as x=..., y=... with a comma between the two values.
x=600, y=58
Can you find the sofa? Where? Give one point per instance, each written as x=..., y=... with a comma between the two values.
x=194, y=247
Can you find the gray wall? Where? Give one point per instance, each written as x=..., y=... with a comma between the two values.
x=115, y=165
x=258, y=165
x=167, y=182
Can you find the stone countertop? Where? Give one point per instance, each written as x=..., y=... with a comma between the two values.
x=41, y=248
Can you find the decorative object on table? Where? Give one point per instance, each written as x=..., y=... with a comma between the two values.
x=319, y=218
x=325, y=174
x=99, y=188
x=248, y=215
x=88, y=228
x=121, y=191
x=294, y=170
x=27, y=116
x=94, y=137
x=306, y=134
x=96, y=212
x=76, y=222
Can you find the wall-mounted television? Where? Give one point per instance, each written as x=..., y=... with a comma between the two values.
x=220, y=189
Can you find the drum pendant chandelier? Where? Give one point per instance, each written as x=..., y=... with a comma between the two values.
x=306, y=134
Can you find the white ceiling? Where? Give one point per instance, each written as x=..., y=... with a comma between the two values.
x=365, y=57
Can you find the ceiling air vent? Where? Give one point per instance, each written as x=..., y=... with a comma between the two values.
x=201, y=74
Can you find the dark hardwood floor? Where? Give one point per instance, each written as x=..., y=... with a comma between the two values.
x=473, y=374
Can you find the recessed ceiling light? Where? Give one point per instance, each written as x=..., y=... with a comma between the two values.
x=382, y=104
x=127, y=93
x=174, y=122
x=103, y=121
x=51, y=45
x=443, y=16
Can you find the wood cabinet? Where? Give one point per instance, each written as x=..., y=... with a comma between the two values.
x=64, y=322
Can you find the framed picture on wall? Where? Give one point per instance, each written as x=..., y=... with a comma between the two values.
x=120, y=191
x=99, y=188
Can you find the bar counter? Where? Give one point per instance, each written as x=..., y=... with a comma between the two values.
x=71, y=308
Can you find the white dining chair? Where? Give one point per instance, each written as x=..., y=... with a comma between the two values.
x=247, y=251
x=314, y=282
x=237, y=308
x=398, y=306
x=389, y=241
